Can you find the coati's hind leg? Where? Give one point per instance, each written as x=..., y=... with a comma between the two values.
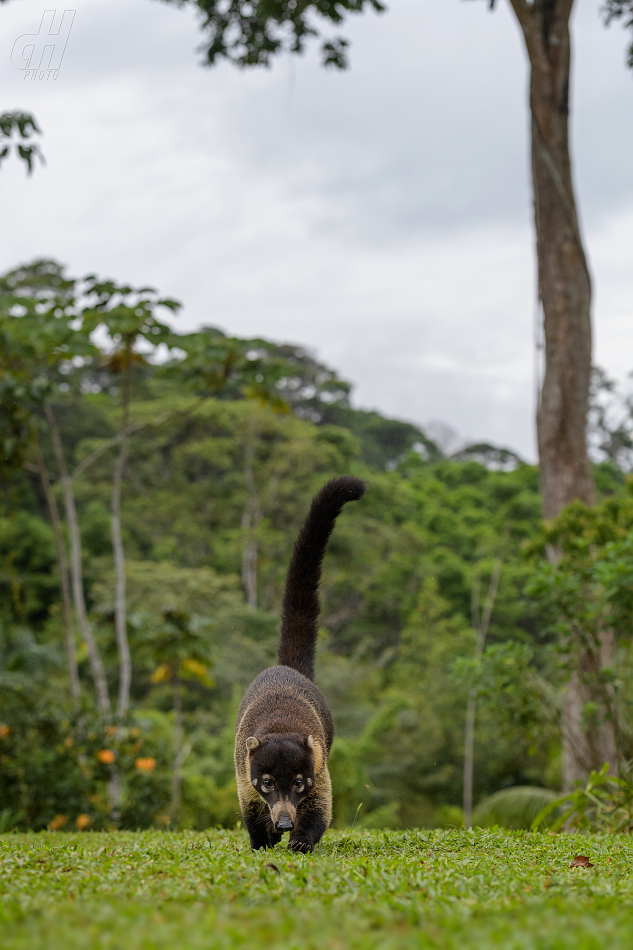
x=260, y=829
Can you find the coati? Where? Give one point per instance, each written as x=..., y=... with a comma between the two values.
x=284, y=729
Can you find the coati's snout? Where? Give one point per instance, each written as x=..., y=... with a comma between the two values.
x=282, y=772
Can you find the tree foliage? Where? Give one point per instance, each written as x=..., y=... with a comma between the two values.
x=621, y=10
x=252, y=33
x=16, y=129
x=396, y=591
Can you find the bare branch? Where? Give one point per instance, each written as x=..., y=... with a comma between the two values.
x=76, y=574
x=563, y=13
x=94, y=456
x=490, y=601
x=62, y=563
x=129, y=430
x=530, y=27
x=524, y=13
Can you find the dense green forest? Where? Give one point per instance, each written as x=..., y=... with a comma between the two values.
x=219, y=445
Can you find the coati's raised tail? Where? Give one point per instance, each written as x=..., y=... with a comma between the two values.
x=301, y=607
x=284, y=729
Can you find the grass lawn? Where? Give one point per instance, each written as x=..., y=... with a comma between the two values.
x=428, y=889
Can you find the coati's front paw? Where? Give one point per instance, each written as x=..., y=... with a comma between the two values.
x=303, y=846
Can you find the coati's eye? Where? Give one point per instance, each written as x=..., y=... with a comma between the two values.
x=267, y=782
x=299, y=782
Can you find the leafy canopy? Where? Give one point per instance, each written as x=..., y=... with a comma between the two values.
x=20, y=125
x=251, y=32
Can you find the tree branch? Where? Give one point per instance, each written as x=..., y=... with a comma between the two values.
x=94, y=456
x=532, y=34
x=62, y=563
x=129, y=430
x=563, y=13
x=523, y=12
x=76, y=574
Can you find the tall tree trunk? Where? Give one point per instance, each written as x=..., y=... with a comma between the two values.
x=120, y=619
x=588, y=744
x=62, y=562
x=563, y=277
x=481, y=622
x=249, y=564
x=96, y=664
x=565, y=295
x=469, y=757
x=181, y=749
x=250, y=520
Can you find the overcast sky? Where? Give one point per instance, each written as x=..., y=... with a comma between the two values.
x=379, y=216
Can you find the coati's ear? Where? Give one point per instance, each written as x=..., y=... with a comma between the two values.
x=310, y=743
x=252, y=743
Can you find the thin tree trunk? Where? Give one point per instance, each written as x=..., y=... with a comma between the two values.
x=249, y=570
x=610, y=740
x=181, y=751
x=96, y=664
x=121, y=438
x=469, y=753
x=565, y=295
x=250, y=520
x=588, y=745
x=130, y=430
x=62, y=561
x=481, y=622
x=114, y=793
x=120, y=619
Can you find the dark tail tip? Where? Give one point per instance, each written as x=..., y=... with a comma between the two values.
x=337, y=492
x=348, y=487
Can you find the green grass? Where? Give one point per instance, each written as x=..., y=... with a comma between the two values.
x=427, y=889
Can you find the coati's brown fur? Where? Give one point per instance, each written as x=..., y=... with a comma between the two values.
x=284, y=729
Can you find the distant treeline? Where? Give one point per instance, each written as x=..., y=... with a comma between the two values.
x=220, y=444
